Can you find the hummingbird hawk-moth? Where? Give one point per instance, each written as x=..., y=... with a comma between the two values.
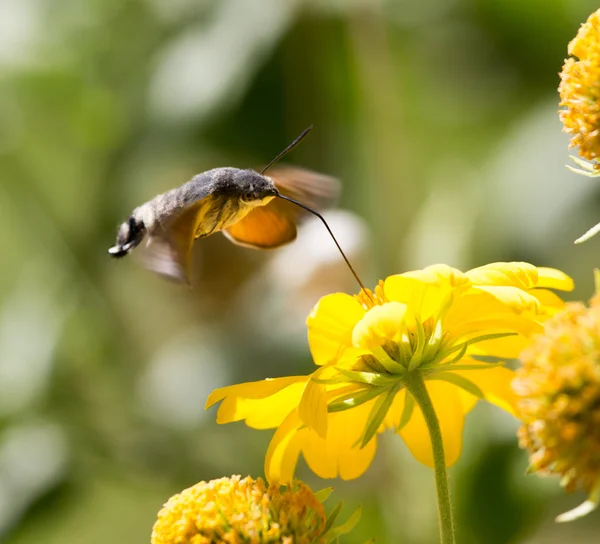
x=248, y=207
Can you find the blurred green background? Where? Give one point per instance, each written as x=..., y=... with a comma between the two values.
x=439, y=116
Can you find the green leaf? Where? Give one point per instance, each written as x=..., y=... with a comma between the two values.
x=477, y=339
x=434, y=342
x=458, y=356
x=332, y=517
x=459, y=381
x=462, y=349
x=378, y=413
x=330, y=381
x=417, y=356
x=445, y=306
x=323, y=494
x=474, y=366
x=407, y=411
x=346, y=527
x=356, y=398
x=370, y=378
x=494, y=359
x=492, y=336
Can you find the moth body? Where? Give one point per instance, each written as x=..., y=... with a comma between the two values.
x=220, y=198
x=240, y=203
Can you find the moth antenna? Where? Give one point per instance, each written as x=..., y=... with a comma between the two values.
x=360, y=283
x=287, y=149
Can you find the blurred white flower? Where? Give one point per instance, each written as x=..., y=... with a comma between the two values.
x=20, y=25
x=302, y=272
x=31, y=320
x=33, y=458
x=178, y=379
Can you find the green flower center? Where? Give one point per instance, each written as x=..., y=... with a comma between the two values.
x=397, y=339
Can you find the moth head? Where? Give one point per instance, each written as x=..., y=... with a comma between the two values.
x=258, y=188
x=129, y=236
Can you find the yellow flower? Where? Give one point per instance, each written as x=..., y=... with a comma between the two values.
x=234, y=510
x=436, y=324
x=559, y=401
x=579, y=89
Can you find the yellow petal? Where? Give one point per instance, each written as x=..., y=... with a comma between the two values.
x=262, y=404
x=441, y=275
x=284, y=450
x=450, y=413
x=549, y=300
x=515, y=274
x=422, y=299
x=354, y=462
x=514, y=297
x=392, y=418
x=380, y=324
x=509, y=347
x=496, y=324
x=253, y=390
x=330, y=326
x=479, y=312
x=313, y=407
x=339, y=456
x=521, y=275
x=495, y=385
x=552, y=278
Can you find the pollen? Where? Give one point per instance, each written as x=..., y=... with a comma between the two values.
x=235, y=510
x=559, y=398
x=579, y=89
x=368, y=299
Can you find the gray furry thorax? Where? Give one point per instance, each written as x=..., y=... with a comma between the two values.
x=226, y=182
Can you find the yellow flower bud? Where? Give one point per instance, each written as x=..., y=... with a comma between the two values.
x=235, y=510
x=559, y=398
x=579, y=89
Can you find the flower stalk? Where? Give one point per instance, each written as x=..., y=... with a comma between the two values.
x=416, y=387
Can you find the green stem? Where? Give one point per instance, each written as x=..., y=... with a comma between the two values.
x=416, y=386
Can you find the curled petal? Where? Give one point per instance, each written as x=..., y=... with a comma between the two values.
x=330, y=326
x=284, y=449
x=450, y=412
x=515, y=274
x=380, y=324
x=441, y=275
x=549, y=300
x=521, y=275
x=514, y=297
x=551, y=278
x=313, y=407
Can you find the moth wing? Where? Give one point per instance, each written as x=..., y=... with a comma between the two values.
x=274, y=224
x=169, y=248
x=262, y=228
x=317, y=191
